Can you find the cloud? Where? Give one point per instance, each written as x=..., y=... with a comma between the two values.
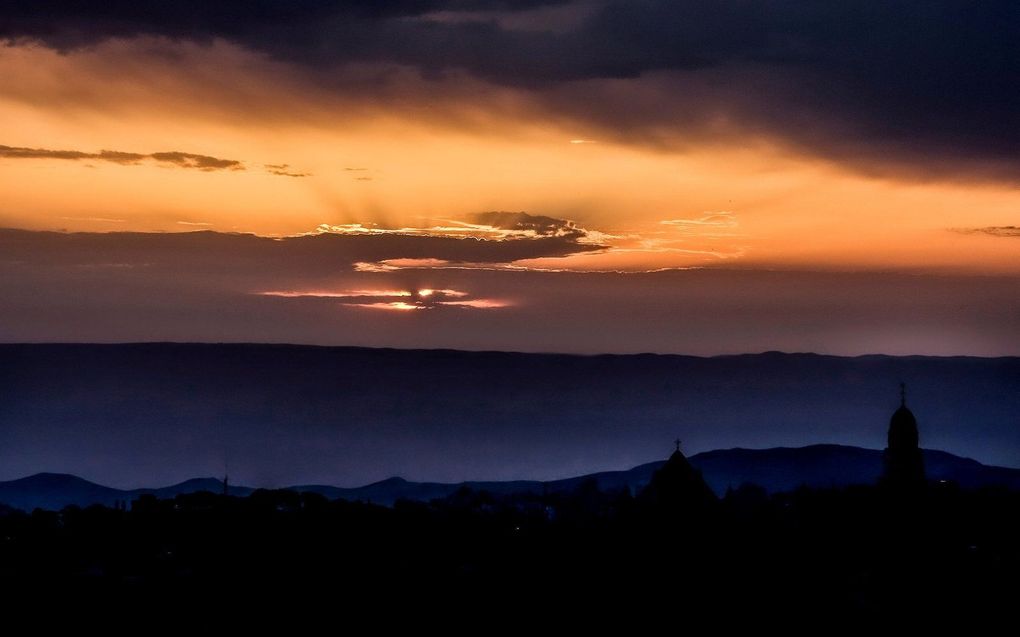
x=14, y=152
x=391, y=265
x=174, y=158
x=390, y=305
x=330, y=249
x=336, y=294
x=201, y=162
x=477, y=304
x=522, y=224
x=993, y=231
x=720, y=219
x=284, y=170
x=882, y=85
x=400, y=300
x=496, y=226
x=695, y=242
x=97, y=219
x=202, y=286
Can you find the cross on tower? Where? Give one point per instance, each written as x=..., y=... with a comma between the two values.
x=677, y=441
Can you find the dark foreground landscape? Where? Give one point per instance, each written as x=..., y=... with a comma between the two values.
x=856, y=552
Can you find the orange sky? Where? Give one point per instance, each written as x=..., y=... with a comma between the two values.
x=428, y=155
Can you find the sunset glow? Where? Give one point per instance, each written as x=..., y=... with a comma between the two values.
x=425, y=163
x=123, y=159
x=393, y=305
x=480, y=304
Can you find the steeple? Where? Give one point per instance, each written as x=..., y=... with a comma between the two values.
x=904, y=464
x=226, y=473
x=226, y=476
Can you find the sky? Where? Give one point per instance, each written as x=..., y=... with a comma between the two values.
x=531, y=175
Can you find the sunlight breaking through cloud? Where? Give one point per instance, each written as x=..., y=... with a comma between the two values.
x=491, y=225
x=417, y=299
x=717, y=219
x=392, y=305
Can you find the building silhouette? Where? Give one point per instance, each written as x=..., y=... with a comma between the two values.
x=904, y=464
x=677, y=486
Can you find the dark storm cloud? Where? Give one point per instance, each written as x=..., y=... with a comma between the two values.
x=932, y=84
x=176, y=158
x=210, y=253
x=67, y=24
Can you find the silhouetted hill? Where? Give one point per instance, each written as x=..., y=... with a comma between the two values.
x=786, y=468
x=193, y=486
x=966, y=472
x=392, y=489
x=777, y=470
x=635, y=479
x=820, y=466
x=55, y=491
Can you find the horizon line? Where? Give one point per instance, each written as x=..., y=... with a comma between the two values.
x=483, y=480
x=384, y=348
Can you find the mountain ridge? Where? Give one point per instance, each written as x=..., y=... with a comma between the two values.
x=775, y=469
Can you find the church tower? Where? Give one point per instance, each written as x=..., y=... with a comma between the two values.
x=904, y=465
x=678, y=487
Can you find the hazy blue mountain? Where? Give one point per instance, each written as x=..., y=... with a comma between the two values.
x=777, y=470
x=392, y=489
x=284, y=414
x=55, y=491
x=194, y=485
x=786, y=468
